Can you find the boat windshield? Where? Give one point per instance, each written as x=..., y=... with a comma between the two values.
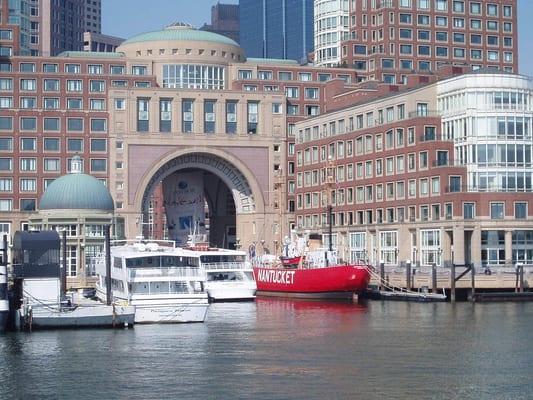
x=221, y=258
x=162, y=262
x=224, y=276
x=162, y=287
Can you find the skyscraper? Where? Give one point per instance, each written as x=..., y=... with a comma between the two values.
x=224, y=21
x=277, y=28
x=46, y=27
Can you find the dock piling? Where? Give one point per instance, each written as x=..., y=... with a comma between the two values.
x=382, y=273
x=434, y=278
x=408, y=275
x=452, y=283
x=473, y=281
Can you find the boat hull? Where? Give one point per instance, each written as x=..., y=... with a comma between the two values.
x=170, y=314
x=227, y=291
x=81, y=317
x=329, y=282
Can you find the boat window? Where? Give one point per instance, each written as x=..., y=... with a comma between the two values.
x=219, y=258
x=117, y=262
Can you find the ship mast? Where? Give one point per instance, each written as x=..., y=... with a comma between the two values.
x=330, y=176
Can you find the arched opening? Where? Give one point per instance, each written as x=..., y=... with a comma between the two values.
x=196, y=194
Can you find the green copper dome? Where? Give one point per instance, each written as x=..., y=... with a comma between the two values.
x=180, y=32
x=76, y=191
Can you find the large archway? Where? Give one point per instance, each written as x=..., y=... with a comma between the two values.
x=227, y=196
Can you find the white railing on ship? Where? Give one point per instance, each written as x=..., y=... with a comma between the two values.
x=171, y=272
x=224, y=266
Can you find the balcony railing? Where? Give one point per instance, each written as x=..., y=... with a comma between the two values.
x=171, y=272
x=426, y=113
x=225, y=266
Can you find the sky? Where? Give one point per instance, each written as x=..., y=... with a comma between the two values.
x=126, y=18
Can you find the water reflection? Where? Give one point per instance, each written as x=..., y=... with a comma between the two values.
x=282, y=348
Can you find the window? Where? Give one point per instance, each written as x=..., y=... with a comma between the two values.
x=28, y=185
x=430, y=247
x=117, y=70
x=28, y=123
x=96, y=86
x=165, y=115
x=143, y=115
x=28, y=164
x=231, y=117
x=520, y=210
x=209, y=116
x=98, y=125
x=97, y=104
x=187, y=116
x=441, y=5
x=51, y=144
x=497, y=210
x=28, y=102
x=98, y=145
x=120, y=104
x=311, y=93
x=285, y=76
x=388, y=243
x=245, y=74
x=492, y=10
x=51, y=85
x=75, y=124
x=98, y=165
x=75, y=145
x=264, y=75
x=6, y=84
x=6, y=123
x=6, y=102
x=28, y=144
x=139, y=70
x=72, y=68
x=6, y=164
x=292, y=92
x=74, y=85
x=441, y=21
x=74, y=104
x=6, y=144
x=28, y=85
x=6, y=184
x=252, y=116
x=423, y=19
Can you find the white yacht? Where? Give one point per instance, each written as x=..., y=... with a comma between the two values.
x=164, y=283
x=228, y=275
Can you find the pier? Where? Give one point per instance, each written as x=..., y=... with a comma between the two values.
x=457, y=282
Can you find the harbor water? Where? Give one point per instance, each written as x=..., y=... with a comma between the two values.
x=286, y=349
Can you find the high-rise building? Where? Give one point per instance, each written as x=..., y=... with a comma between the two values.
x=277, y=28
x=46, y=27
x=390, y=38
x=331, y=28
x=224, y=21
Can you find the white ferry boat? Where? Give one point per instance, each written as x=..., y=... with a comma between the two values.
x=228, y=275
x=164, y=283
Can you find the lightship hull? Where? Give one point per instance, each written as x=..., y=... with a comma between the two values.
x=329, y=282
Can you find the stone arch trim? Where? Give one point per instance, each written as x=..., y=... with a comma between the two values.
x=245, y=190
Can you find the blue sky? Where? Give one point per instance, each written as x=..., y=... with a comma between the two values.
x=123, y=18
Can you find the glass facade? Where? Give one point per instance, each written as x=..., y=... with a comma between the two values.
x=188, y=76
x=277, y=28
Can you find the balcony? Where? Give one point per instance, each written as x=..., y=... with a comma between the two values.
x=424, y=114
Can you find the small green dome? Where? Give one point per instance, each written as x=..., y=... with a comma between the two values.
x=76, y=191
x=181, y=32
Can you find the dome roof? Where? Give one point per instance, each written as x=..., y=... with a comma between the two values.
x=76, y=191
x=181, y=32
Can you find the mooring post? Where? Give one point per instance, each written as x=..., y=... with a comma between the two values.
x=434, y=278
x=108, y=264
x=382, y=274
x=408, y=275
x=452, y=283
x=63, y=270
x=473, y=281
x=521, y=277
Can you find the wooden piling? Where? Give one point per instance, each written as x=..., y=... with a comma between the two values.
x=382, y=273
x=408, y=275
x=108, y=281
x=473, y=281
x=433, y=278
x=521, y=278
x=452, y=283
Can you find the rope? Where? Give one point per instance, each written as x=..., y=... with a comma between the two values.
x=391, y=288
